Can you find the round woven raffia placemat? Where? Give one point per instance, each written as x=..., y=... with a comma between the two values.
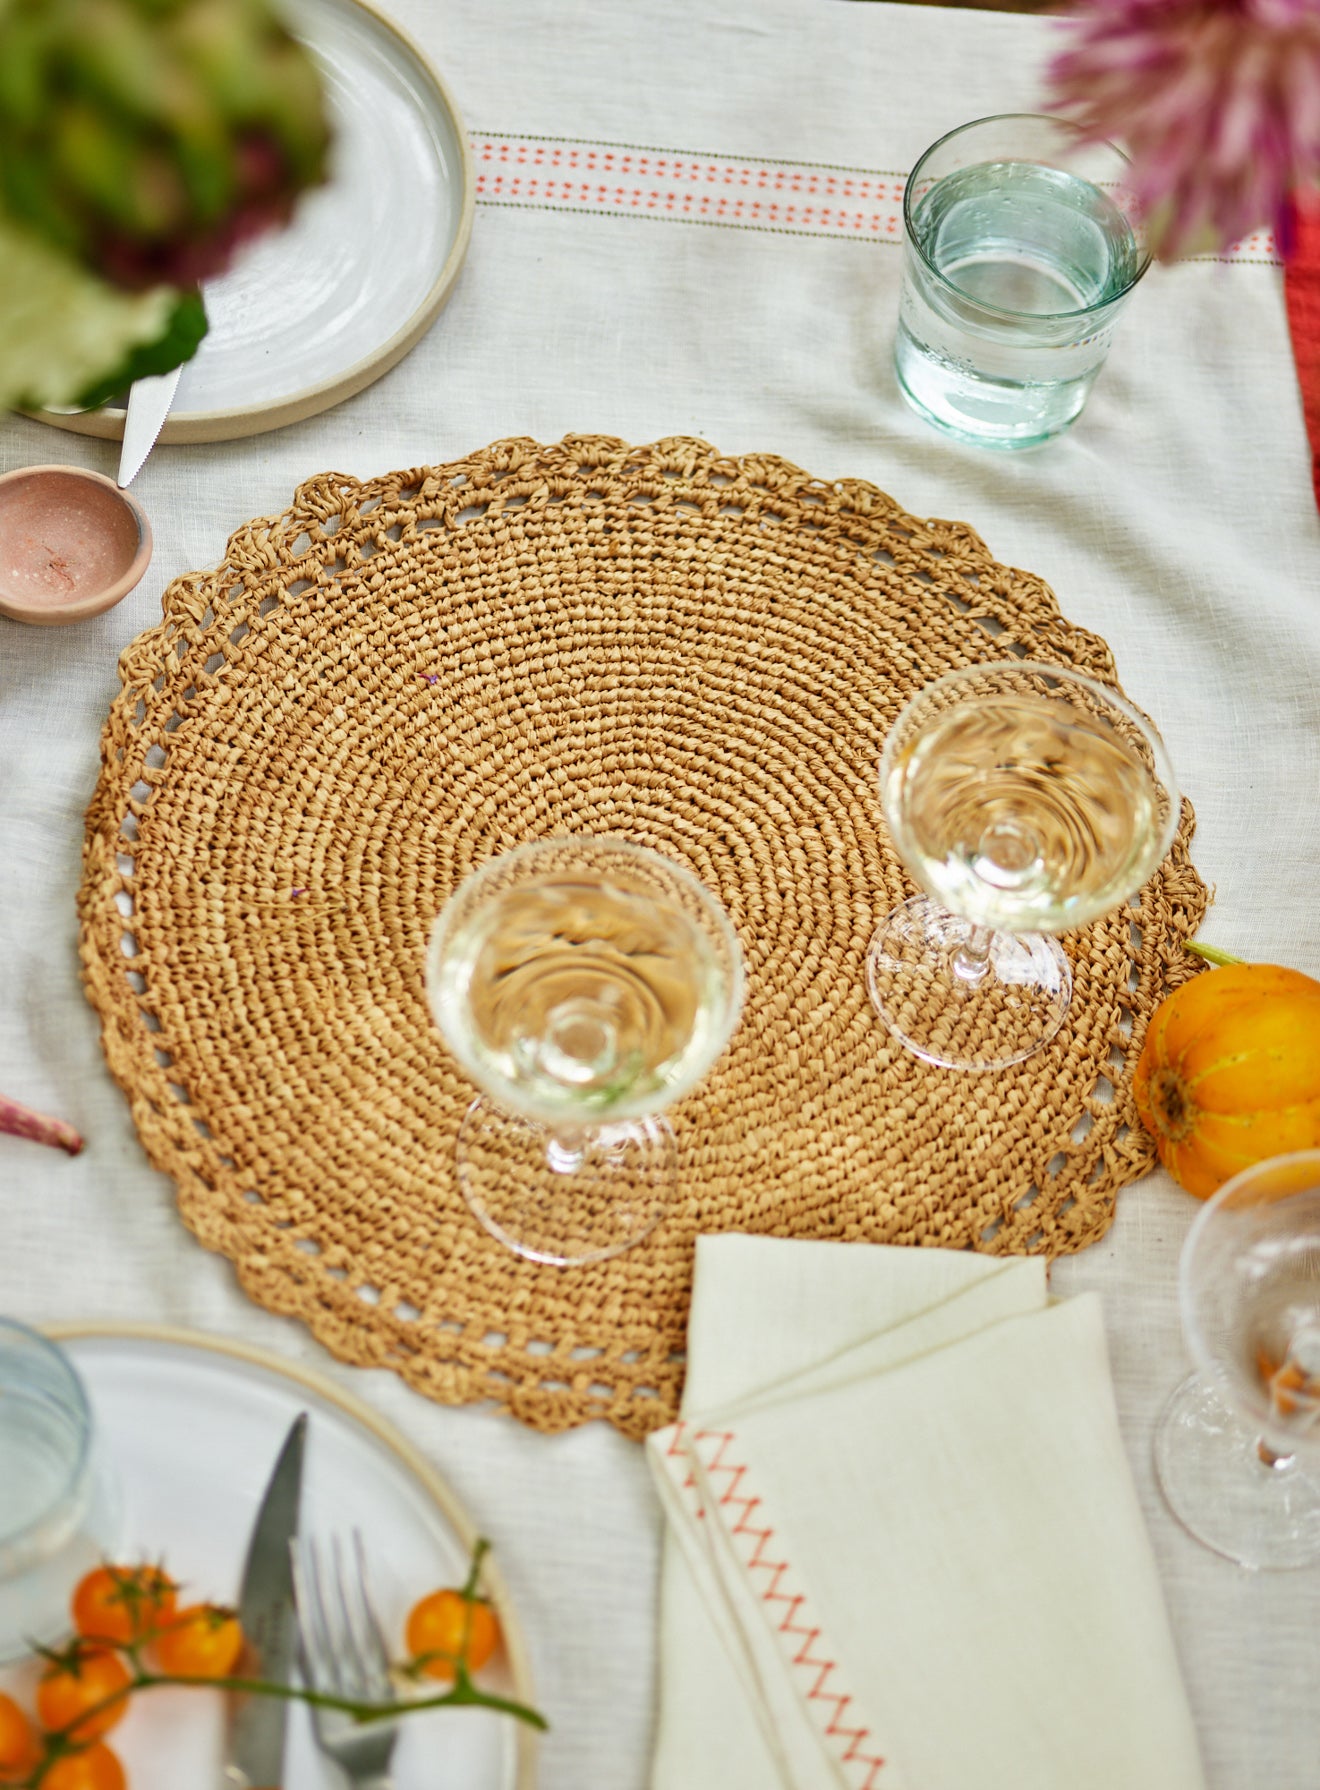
x=397, y=678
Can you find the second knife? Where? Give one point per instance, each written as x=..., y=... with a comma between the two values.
x=149, y=403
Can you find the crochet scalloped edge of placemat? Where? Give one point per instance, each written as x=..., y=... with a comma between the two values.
x=525, y=567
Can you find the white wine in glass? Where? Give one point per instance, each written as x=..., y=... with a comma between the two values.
x=1026, y=800
x=585, y=985
x=1237, y=1450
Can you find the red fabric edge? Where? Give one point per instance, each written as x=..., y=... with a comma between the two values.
x=1301, y=289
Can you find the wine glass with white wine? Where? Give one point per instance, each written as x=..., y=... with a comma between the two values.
x=1026, y=800
x=1237, y=1450
x=584, y=985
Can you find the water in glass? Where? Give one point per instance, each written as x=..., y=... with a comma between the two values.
x=57, y=1510
x=1011, y=293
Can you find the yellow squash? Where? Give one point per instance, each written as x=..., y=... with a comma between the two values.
x=1230, y=1072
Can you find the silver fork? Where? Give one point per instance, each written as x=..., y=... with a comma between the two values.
x=344, y=1654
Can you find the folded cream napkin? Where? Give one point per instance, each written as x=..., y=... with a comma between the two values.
x=904, y=1548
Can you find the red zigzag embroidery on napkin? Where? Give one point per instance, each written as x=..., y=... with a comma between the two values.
x=754, y=1543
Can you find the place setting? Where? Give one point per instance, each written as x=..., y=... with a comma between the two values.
x=313, y=312
x=139, y=1456
x=636, y=935
x=441, y=705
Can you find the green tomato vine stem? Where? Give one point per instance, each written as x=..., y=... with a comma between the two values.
x=462, y=1692
x=471, y=1590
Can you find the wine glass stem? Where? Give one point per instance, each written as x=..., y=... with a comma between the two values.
x=971, y=961
x=565, y=1151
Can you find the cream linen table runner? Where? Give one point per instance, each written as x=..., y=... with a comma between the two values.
x=904, y=1548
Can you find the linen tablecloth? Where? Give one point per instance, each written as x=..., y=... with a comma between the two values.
x=687, y=223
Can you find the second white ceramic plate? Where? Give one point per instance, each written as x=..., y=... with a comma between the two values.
x=314, y=313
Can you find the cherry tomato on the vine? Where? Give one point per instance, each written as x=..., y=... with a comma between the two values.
x=451, y=1626
x=96, y=1768
x=122, y=1603
x=19, y=1746
x=79, y=1680
x=201, y=1641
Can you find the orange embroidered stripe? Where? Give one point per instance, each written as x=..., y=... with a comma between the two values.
x=546, y=173
x=706, y=1465
x=731, y=192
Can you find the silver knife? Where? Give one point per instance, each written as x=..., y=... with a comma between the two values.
x=265, y=1609
x=149, y=403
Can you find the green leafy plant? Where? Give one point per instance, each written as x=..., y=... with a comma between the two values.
x=142, y=142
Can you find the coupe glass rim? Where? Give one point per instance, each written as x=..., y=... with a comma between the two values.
x=1079, y=136
x=625, y=850
x=21, y=1537
x=1164, y=771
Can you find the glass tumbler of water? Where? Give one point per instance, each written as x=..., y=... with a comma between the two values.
x=584, y=985
x=1022, y=244
x=58, y=1504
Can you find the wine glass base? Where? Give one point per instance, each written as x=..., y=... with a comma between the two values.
x=960, y=1014
x=1222, y=1492
x=578, y=1198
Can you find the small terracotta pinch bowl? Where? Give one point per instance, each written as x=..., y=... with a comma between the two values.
x=72, y=544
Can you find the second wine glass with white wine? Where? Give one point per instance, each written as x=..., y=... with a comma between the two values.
x=1026, y=800
x=585, y=985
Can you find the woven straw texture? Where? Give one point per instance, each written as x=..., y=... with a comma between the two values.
x=396, y=679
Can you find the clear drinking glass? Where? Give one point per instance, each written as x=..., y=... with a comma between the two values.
x=58, y=1503
x=1026, y=800
x=1021, y=246
x=1237, y=1450
x=585, y=985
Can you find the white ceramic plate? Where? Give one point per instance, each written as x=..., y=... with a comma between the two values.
x=194, y=1424
x=314, y=313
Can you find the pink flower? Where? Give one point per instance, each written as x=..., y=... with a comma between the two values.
x=1216, y=101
